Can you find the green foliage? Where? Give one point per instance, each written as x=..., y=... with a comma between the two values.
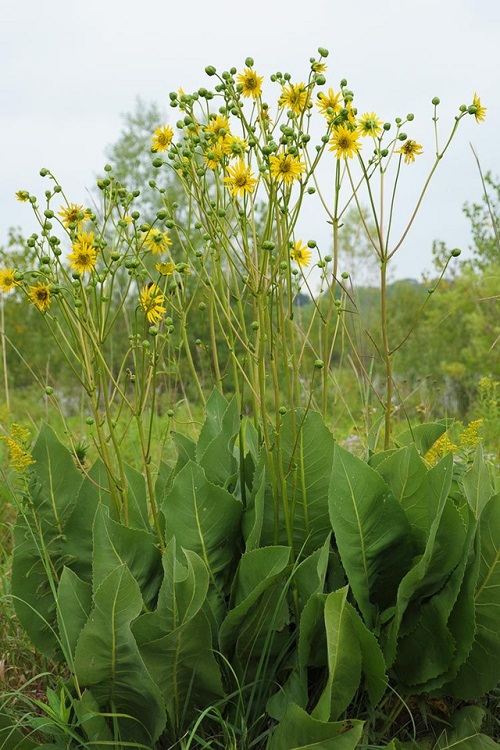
x=226, y=618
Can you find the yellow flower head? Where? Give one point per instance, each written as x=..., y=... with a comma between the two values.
x=329, y=104
x=152, y=302
x=301, y=254
x=19, y=456
x=441, y=447
x=84, y=255
x=214, y=156
x=234, y=146
x=162, y=138
x=469, y=437
x=344, y=142
x=73, y=214
x=166, y=269
x=318, y=67
x=157, y=241
x=39, y=296
x=286, y=167
x=251, y=83
x=480, y=113
x=22, y=196
x=8, y=279
x=218, y=128
x=240, y=179
x=410, y=149
x=294, y=97
x=369, y=124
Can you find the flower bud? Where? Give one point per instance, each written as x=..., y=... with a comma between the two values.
x=282, y=410
x=49, y=391
x=157, y=163
x=319, y=364
x=345, y=275
x=323, y=52
x=311, y=243
x=249, y=62
x=170, y=413
x=153, y=330
x=254, y=325
x=410, y=117
x=89, y=421
x=44, y=172
x=161, y=214
x=436, y=101
x=320, y=79
x=210, y=70
x=456, y=252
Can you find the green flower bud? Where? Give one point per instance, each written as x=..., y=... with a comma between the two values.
x=328, y=258
x=402, y=137
x=89, y=421
x=45, y=259
x=170, y=413
x=345, y=275
x=49, y=391
x=210, y=70
x=311, y=190
x=254, y=325
x=153, y=330
x=44, y=172
x=57, y=188
x=311, y=243
x=268, y=245
x=387, y=126
x=282, y=410
x=49, y=214
x=319, y=364
x=436, y=101
x=320, y=79
x=456, y=252
x=157, y=163
x=410, y=117
x=249, y=62
x=323, y=52
x=161, y=214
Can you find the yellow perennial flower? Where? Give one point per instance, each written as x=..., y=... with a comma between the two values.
x=166, y=269
x=218, y=128
x=162, y=138
x=344, y=142
x=214, y=156
x=73, y=214
x=39, y=296
x=441, y=447
x=294, y=97
x=157, y=241
x=84, y=255
x=22, y=196
x=410, y=149
x=369, y=124
x=251, y=83
x=469, y=437
x=301, y=254
x=480, y=113
x=240, y=180
x=234, y=146
x=329, y=104
x=152, y=301
x=8, y=279
x=286, y=167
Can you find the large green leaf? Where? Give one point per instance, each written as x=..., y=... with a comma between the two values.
x=476, y=483
x=108, y=661
x=464, y=732
x=74, y=603
x=299, y=731
x=405, y=473
x=115, y=545
x=214, y=450
x=372, y=533
x=423, y=436
x=39, y=540
x=204, y=518
x=175, y=641
x=481, y=670
x=351, y=649
x=259, y=606
x=433, y=567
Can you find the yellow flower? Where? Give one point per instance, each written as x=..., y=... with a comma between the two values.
x=8, y=279
x=157, y=241
x=344, y=142
x=410, y=149
x=73, y=214
x=295, y=97
x=218, y=128
x=301, y=254
x=329, y=103
x=40, y=296
x=152, y=302
x=318, y=67
x=369, y=124
x=469, y=437
x=22, y=196
x=442, y=446
x=18, y=443
x=162, y=138
x=84, y=255
x=234, y=146
x=480, y=113
x=286, y=167
x=251, y=83
x=240, y=180
x=214, y=156
x=166, y=269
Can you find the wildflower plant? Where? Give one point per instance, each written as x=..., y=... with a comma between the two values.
x=190, y=590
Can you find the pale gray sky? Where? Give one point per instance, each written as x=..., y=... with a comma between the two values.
x=69, y=70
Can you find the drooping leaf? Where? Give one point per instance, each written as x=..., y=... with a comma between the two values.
x=108, y=661
x=299, y=731
x=74, y=602
x=371, y=530
x=477, y=483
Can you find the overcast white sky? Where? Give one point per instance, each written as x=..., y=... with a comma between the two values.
x=69, y=70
